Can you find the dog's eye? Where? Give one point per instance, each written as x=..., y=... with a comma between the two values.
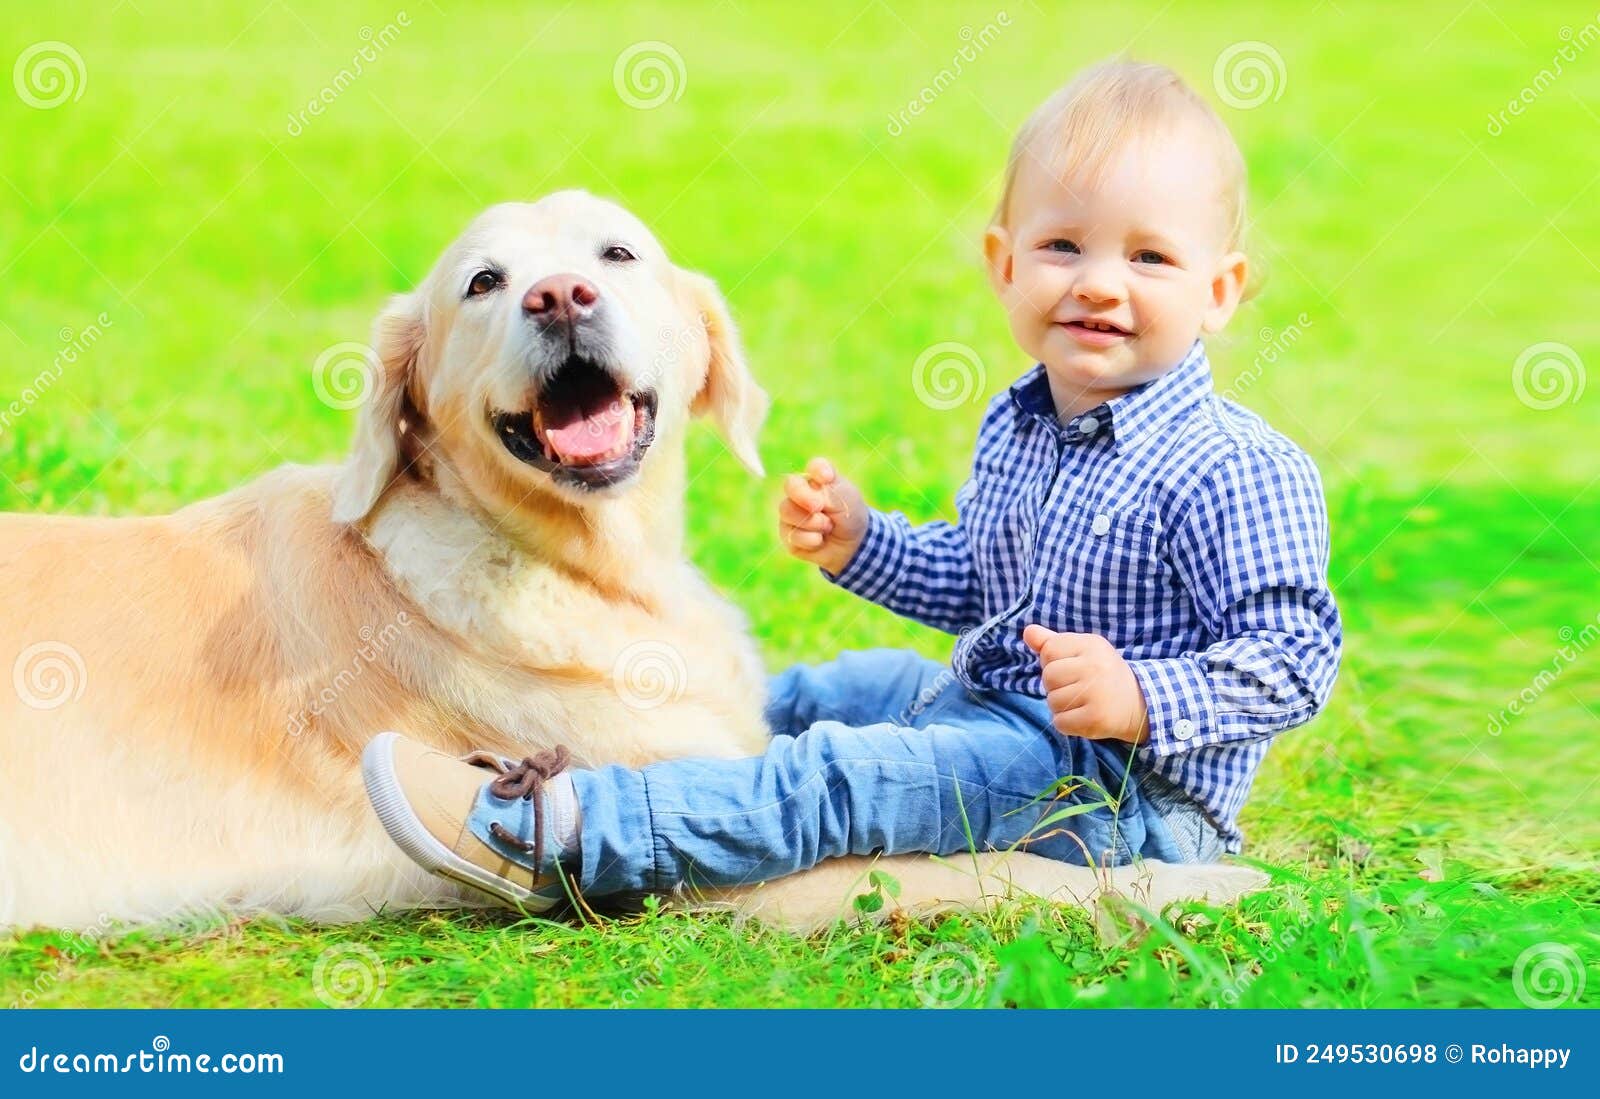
x=616, y=253
x=483, y=282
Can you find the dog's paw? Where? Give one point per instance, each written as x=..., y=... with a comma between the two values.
x=1215, y=883
x=1154, y=885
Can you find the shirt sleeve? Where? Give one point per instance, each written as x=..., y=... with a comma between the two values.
x=1252, y=551
x=924, y=573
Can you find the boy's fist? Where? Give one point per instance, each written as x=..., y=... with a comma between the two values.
x=822, y=517
x=1090, y=689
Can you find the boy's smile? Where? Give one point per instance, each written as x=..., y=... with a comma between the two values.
x=1109, y=277
x=1092, y=332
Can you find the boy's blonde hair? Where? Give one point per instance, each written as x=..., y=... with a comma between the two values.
x=1080, y=129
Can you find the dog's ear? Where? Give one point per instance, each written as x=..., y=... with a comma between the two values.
x=374, y=459
x=730, y=395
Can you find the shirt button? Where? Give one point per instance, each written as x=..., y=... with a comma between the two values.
x=1101, y=524
x=1183, y=728
x=1088, y=425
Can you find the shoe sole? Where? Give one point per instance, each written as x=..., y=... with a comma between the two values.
x=420, y=845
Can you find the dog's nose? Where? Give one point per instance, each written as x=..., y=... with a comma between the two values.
x=560, y=299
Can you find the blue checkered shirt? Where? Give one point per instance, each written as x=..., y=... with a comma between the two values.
x=1174, y=523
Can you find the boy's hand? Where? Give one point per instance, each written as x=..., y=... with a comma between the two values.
x=1091, y=690
x=822, y=517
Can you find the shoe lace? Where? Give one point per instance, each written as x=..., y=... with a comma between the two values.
x=523, y=780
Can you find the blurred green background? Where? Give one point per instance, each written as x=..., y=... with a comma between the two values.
x=1424, y=329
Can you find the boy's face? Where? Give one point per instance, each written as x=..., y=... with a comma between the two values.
x=1108, y=284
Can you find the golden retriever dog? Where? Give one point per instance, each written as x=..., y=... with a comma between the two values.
x=498, y=564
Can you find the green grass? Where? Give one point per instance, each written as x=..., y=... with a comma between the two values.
x=1421, y=845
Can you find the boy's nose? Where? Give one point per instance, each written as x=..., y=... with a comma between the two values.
x=1093, y=287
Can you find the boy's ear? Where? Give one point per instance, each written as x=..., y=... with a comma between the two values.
x=729, y=395
x=397, y=337
x=997, y=254
x=1227, y=288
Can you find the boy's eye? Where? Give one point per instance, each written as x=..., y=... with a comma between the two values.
x=1148, y=256
x=1066, y=246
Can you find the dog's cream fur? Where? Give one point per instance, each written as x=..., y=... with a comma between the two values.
x=216, y=672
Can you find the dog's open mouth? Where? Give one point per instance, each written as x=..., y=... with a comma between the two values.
x=584, y=429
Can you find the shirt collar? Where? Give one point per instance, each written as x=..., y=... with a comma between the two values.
x=1126, y=419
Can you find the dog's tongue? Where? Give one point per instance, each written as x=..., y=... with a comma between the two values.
x=589, y=435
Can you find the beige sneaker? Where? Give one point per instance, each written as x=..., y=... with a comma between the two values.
x=425, y=800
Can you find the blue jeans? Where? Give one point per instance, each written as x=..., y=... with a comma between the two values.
x=879, y=751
